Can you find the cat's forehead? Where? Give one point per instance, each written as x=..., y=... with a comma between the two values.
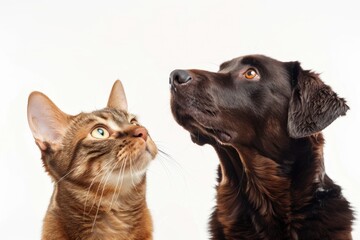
x=118, y=116
x=113, y=118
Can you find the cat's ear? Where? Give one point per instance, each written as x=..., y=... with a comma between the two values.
x=47, y=122
x=313, y=104
x=117, y=97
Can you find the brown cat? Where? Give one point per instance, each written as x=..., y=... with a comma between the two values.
x=98, y=163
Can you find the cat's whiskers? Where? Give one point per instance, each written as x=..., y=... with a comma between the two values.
x=132, y=177
x=165, y=158
x=169, y=164
x=88, y=192
x=92, y=182
x=141, y=170
x=102, y=193
x=67, y=174
x=98, y=188
x=120, y=175
x=166, y=169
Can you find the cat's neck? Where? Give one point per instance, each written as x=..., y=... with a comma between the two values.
x=115, y=197
x=98, y=212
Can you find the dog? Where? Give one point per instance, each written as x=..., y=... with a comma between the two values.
x=264, y=119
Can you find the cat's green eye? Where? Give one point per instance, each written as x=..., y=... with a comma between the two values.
x=100, y=133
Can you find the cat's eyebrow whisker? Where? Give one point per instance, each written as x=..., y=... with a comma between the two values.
x=102, y=193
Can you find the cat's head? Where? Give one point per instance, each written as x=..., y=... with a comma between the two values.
x=88, y=148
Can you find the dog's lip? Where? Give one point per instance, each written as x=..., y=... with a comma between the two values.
x=219, y=134
x=209, y=126
x=212, y=128
x=222, y=135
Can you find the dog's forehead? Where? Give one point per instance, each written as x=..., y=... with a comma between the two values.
x=252, y=60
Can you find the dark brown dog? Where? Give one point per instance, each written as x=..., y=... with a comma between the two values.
x=264, y=118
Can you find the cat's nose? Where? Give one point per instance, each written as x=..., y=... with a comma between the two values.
x=140, y=132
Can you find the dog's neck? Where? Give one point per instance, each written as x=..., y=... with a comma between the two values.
x=271, y=184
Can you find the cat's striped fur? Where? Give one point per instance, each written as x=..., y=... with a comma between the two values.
x=98, y=163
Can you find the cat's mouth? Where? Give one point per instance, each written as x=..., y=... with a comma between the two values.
x=137, y=155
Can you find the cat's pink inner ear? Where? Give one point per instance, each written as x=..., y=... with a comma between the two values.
x=117, y=97
x=47, y=122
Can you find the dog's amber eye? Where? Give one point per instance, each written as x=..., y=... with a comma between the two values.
x=250, y=73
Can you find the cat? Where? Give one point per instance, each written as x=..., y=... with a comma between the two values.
x=98, y=164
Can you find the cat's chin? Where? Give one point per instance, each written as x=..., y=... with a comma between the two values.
x=126, y=180
x=151, y=148
x=144, y=160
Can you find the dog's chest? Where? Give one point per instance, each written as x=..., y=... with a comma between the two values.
x=240, y=220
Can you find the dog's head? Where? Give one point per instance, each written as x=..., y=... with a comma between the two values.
x=251, y=98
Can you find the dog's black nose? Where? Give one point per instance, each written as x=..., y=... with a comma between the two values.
x=178, y=77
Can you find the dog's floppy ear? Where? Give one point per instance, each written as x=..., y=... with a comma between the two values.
x=313, y=105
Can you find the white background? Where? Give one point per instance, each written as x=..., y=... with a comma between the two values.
x=73, y=51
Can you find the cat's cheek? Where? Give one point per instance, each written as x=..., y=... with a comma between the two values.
x=151, y=148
